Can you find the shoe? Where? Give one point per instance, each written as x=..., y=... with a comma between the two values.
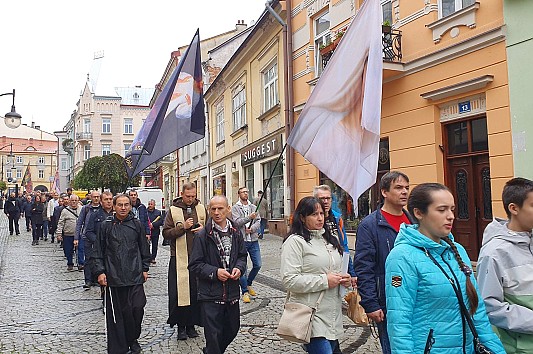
x=182, y=333
x=52, y=241
x=153, y=261
x=135, y=347
x=191, y=332
x=260, y=237
x=87, y=285
x=36, y=243
x=80, y=268
x=28, y=230
x=251, y=291
x=46, y=239
x=70, y=268
x=33, y=243
x=246, y=298
x=18, y=233
x=10, y=234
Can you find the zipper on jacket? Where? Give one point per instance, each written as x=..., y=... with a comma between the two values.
x=429, y=342
x=460, y=292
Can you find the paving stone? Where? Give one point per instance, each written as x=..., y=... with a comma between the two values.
x=44, y=309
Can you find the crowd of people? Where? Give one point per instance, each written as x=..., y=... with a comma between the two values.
x=417, y=284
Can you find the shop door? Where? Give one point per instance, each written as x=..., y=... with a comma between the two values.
x=469, y=181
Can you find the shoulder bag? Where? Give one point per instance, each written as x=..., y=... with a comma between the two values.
x=479, y=348
x=296, y=321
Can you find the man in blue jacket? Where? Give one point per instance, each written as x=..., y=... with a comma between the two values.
x=375, y=238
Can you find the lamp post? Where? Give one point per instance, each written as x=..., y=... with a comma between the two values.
x=12, y=119
x=11, y=161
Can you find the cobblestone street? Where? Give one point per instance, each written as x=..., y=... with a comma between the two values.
x=44, y=308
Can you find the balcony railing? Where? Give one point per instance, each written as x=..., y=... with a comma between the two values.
x=391, y=42
x=84, y=136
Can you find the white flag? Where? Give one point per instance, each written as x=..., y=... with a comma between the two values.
x=338, y=129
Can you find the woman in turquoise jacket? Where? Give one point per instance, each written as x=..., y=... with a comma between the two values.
x=420, y=297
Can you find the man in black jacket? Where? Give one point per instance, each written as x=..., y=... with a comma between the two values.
x=121, y=259
x=218, y=259
x=13, y=209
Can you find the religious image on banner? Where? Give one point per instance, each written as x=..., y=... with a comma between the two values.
x=55, y=184
x=26, y=180
x=176, y=119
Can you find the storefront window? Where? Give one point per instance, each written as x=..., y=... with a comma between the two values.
x=219, y=185
x=275, y=192
x=249, y=181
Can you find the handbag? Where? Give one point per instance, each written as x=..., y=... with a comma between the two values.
x=479, y=348
x=355, y=311
x=296, y=321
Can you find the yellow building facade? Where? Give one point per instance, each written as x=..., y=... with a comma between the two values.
x=247, y=120
x=445, y=106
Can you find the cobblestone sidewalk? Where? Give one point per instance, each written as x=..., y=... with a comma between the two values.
x=44, y=309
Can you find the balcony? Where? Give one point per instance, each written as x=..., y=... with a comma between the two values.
x=84, y=136
x=391, y=42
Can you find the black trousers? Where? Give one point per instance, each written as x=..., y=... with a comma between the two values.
x=28, y=223
x=221, y=324
x=124, y=315
x=14, y=220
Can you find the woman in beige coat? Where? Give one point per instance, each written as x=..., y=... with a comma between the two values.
x=311, y=261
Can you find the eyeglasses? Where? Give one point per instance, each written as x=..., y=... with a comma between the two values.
x=325, y=199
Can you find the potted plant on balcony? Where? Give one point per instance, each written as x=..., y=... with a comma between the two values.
x=386, y=26
x=329, y=47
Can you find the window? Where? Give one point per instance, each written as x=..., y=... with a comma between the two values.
x=126, y=148
x=275, y=192
x=106, y=149
x=270, y=87
x=20, y=159
x=239, y=108
x=220, y=121
x=19, y=173
x=106, y=125
x=467, y=136
x=86, y=125
x=41, y=174
x=386, y=5
x=86, y=152
x=448, y=7
x=128, y=125
x=322, y=38
x=249, y=181
x=40, y=160
x=64, y=164
x=8, y=173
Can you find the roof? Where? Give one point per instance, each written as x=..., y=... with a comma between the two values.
x=25, y=132
x=135, y=96
x=28, y=145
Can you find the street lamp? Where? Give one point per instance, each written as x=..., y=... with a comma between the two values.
x=12, y=119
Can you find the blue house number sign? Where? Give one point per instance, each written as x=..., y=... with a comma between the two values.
x=464, y=107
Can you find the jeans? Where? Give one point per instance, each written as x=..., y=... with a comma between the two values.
x=81, y=251
x=28, y=223
x=320, y=345
x=384, y=337
x=45, y=228
x=37, y=231
x=255, y=255
x=263, y=226
x=155, y=244
x=68, y=248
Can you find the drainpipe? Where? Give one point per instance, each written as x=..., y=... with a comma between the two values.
x=288, y=91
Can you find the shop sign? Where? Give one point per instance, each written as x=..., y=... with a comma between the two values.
x=219, y=170
x=260, y=151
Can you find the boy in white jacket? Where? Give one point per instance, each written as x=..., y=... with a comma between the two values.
x=505, y=268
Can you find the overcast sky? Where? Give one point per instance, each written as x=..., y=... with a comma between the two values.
x=48, y=47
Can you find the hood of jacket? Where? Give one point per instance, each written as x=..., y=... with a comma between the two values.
x=128, y=217
x=410, y=235
x=497, y=229
x=178, y=202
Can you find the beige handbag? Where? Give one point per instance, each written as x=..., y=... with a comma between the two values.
x=296, y=321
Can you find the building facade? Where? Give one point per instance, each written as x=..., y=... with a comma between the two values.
x=445, y=106
x=247, y=121
x=103, y=125
x=27, y=148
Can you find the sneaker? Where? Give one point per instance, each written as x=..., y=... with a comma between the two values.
x=135, y=347
x=70, y=268
x=251, y=291
x=246, y=298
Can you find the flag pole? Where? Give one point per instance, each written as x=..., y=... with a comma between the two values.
x=130, y=178
x=268, y=181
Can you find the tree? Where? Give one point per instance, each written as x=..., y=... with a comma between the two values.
x=103, y=172
x=3, y=186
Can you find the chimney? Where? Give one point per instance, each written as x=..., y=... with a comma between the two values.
x=38, y=127
x=240, y=26
x=33, y=124
x=175, y=54
x=138, y=86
